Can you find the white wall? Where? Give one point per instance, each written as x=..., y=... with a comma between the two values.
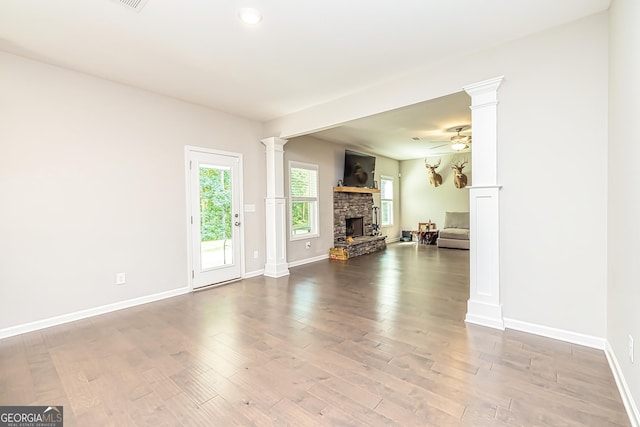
x=623, y=296
x=551, y=144
x=552, y=137
x=92, y=183
x=330, y=159
x=421, y=201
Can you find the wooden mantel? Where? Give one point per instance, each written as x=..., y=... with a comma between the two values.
x=355, y=190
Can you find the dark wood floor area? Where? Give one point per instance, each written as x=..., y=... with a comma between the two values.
x=377, y=340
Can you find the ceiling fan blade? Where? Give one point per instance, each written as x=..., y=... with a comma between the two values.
x=438, y=146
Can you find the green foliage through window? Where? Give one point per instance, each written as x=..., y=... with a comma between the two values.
x=303, y=182
x=301, y=217
x=215, y=204
x=303, y=185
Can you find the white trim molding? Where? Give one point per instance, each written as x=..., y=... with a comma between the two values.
x=555, y=333
x=254, y=273
x=623, y=387
x=83, y=314
x=480, y=187
x=308, y=260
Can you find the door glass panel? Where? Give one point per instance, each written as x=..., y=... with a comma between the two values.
x=216, y=218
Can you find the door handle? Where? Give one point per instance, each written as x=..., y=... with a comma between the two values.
x=237, y=223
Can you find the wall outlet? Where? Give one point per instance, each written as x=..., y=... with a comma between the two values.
x=307, y=245
x=120, y=279
x=631, y=348
x=256, y=254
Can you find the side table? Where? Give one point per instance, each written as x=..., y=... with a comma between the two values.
x=429, y=237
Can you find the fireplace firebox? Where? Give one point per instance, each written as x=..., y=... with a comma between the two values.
x=355, y=227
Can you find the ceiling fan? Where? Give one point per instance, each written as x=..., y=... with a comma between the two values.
x=457, y=142
x=460, y=142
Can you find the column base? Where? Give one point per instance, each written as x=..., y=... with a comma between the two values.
x=276, y=270
x=484, y=314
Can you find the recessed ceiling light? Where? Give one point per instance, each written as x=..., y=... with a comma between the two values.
x=250, y=16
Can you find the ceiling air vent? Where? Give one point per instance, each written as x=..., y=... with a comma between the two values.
x=136, y=5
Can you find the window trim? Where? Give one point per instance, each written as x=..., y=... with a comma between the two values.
x=387, y=178
x=315, y=216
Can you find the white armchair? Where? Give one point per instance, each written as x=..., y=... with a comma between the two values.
x=455, y=233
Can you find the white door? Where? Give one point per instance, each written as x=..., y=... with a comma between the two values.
x=214, y=217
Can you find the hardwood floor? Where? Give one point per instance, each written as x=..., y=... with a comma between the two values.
x=377, y=340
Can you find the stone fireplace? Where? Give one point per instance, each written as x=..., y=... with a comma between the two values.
x=353, y=217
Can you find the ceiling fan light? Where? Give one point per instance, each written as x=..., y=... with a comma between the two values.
x=458, y=146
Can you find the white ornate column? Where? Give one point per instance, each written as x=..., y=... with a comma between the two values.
x=276, y=210
x=484, y=306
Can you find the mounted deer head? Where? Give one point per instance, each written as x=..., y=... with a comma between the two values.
x=434, y=177
x=459, y=179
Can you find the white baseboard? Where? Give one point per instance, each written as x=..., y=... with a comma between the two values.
x=484, y=321
x=308, y=260
x=254, y=273
x=629, y=404
x=393, y=239
x=83, y=314
x=558, y=334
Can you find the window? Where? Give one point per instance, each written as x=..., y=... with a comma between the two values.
x=303, y=186
x=386, y=200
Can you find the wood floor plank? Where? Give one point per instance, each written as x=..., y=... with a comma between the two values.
x=223, y=414
x=401, y=416
x=246, y=402
x=185, y=410
x=194, y=386
x=363, y=413
x=376, y=340
x=161, y=384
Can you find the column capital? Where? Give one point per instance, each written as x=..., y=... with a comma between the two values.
x=484, y=92
x=274, y=143
x=490, y=85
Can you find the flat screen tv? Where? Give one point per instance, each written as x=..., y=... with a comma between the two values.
x=358, y=169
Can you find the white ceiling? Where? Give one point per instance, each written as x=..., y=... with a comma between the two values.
x=302, y=54
x=391, y=133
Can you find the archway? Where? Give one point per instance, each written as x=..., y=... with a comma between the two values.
x=484, y=306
